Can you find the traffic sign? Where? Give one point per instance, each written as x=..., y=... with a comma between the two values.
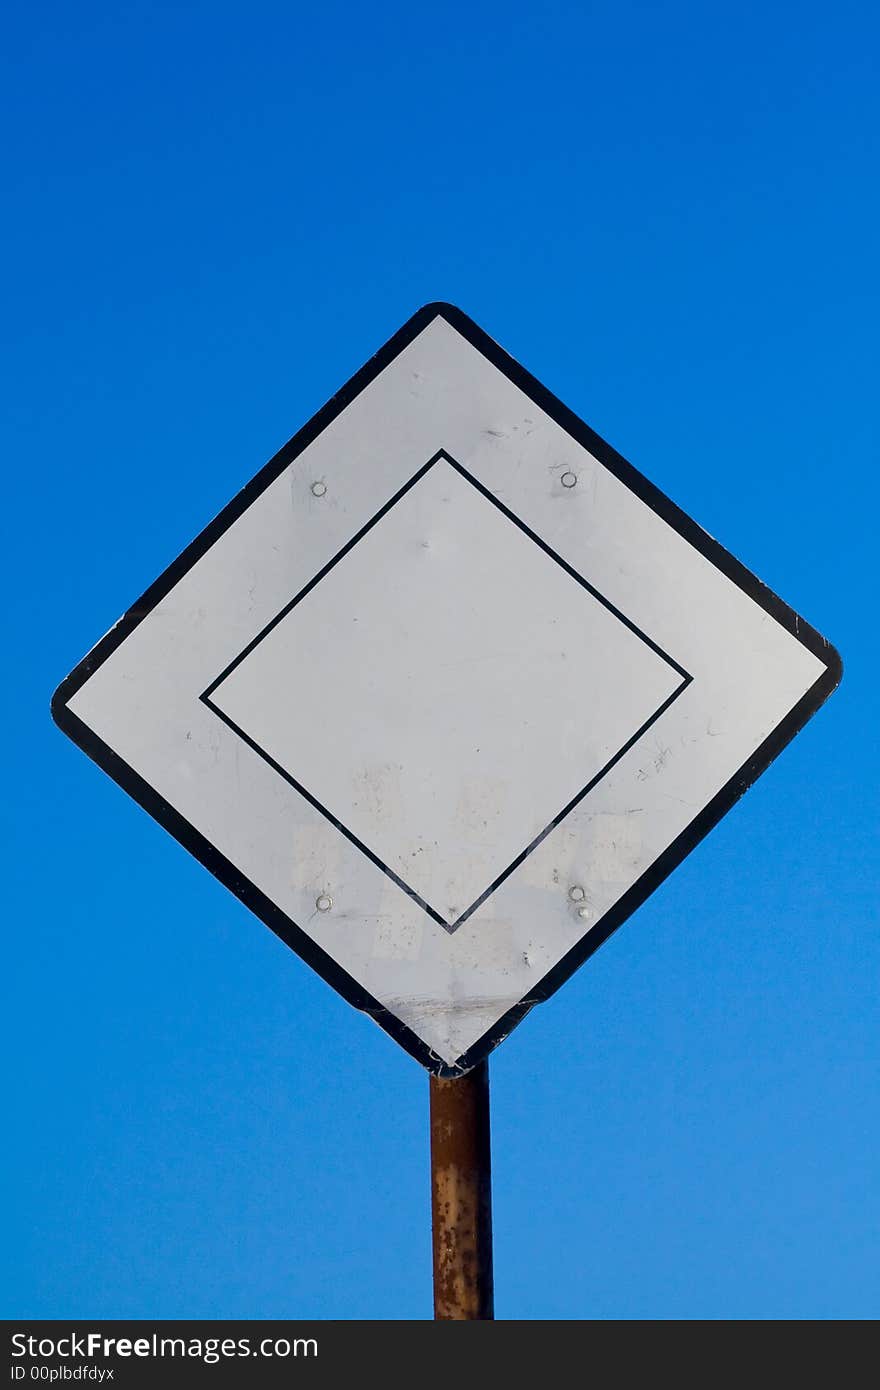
x=446, y=691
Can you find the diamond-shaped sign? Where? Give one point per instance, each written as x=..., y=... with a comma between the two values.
x=446, y=691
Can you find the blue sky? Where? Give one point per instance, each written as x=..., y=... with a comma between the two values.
x=214, y=214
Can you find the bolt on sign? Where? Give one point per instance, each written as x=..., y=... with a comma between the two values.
x=446, y=691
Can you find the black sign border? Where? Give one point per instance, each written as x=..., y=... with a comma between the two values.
x=249, y=894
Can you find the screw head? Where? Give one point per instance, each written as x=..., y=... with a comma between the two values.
x=324, y=902
x=319, y=489
x=568, y=479
x=576, y=894
x=584, y=913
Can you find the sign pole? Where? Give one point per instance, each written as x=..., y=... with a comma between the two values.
x=461, y=1196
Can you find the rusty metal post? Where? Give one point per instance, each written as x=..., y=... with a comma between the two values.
x=461, y=1196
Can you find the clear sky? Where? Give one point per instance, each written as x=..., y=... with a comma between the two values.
x=214, y=214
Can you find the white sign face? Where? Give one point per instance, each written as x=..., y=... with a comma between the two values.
x=446, y=691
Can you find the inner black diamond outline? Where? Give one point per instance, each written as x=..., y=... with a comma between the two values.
x=450, y=927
